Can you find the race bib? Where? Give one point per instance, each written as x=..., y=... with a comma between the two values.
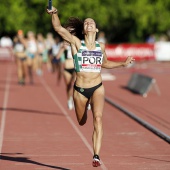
x=91, y=61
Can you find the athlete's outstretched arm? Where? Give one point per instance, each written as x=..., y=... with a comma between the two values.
x=111, y=64
x=64, y=33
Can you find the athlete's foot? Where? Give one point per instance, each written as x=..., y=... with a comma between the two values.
x=70, y=103
x=89, y=107
x=96, y=161
x=39, y=72
x=21, y=82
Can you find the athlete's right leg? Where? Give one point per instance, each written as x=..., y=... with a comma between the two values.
x=24, y=69
x=69, y=91
x=19, y=70
x=97, y=110
x=59, y=72
x=80, y=104
x=67, y=79
x=30, y=63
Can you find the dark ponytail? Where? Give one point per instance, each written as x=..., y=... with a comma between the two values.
x=75, y=27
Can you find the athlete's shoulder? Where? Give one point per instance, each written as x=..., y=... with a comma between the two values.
x=102, y=45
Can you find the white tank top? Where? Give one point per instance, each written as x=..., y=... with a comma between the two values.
x=19, y=47
x=56, y=48
x=32, y=46
x=68, y=54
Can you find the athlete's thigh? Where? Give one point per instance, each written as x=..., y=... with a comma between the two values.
x=25, y=63
x=80, y=103
x=19, y=63
x=67, y=77
x=97, y=101
x=30, y=61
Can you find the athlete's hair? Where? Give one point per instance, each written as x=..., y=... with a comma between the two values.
x=75, y=26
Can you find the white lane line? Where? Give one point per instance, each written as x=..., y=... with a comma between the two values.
x=141, y=155
x=50, y=92
x=2, y=127
x=54, y=155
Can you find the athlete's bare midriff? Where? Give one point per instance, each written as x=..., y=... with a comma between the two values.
x=88, y=79
x=69, y=63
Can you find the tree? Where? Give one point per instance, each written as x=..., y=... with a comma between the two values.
x=121, y=20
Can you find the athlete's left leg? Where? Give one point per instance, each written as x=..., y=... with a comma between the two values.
x=97, y=101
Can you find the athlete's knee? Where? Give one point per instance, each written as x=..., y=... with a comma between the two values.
x=98, y=120
x=98, y=128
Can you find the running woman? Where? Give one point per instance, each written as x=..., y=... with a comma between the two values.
x=68, y=73
x=89, y=56
x=21, y=58
x=30, y=44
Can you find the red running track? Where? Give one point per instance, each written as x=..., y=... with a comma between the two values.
x=38, y=132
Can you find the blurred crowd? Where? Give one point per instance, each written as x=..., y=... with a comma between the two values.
x=152, y=38
x=32, y=51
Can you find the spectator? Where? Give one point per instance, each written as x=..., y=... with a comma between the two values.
x=6, y=41
x=101, y=37
x=151, y=39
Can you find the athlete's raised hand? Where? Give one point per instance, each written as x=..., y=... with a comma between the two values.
x=51, y=11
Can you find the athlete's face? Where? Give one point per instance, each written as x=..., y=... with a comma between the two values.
x=90, y=25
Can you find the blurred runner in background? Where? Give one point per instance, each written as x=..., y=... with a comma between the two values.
x=21, y=58
x=68, y=73
x=49, y=41
x=41, y=49
x=30, y=44
x=56, y=62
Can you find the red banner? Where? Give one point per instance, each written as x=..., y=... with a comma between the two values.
x=138, y=51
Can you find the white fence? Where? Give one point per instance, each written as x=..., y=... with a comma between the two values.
x=6, y=54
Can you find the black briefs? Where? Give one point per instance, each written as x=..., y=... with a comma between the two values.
x=70, y=70
x=23, y=58
x=87, y=92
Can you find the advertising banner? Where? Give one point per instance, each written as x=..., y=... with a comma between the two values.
x=159, y=51
x=138, y=51
x=162, y=51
